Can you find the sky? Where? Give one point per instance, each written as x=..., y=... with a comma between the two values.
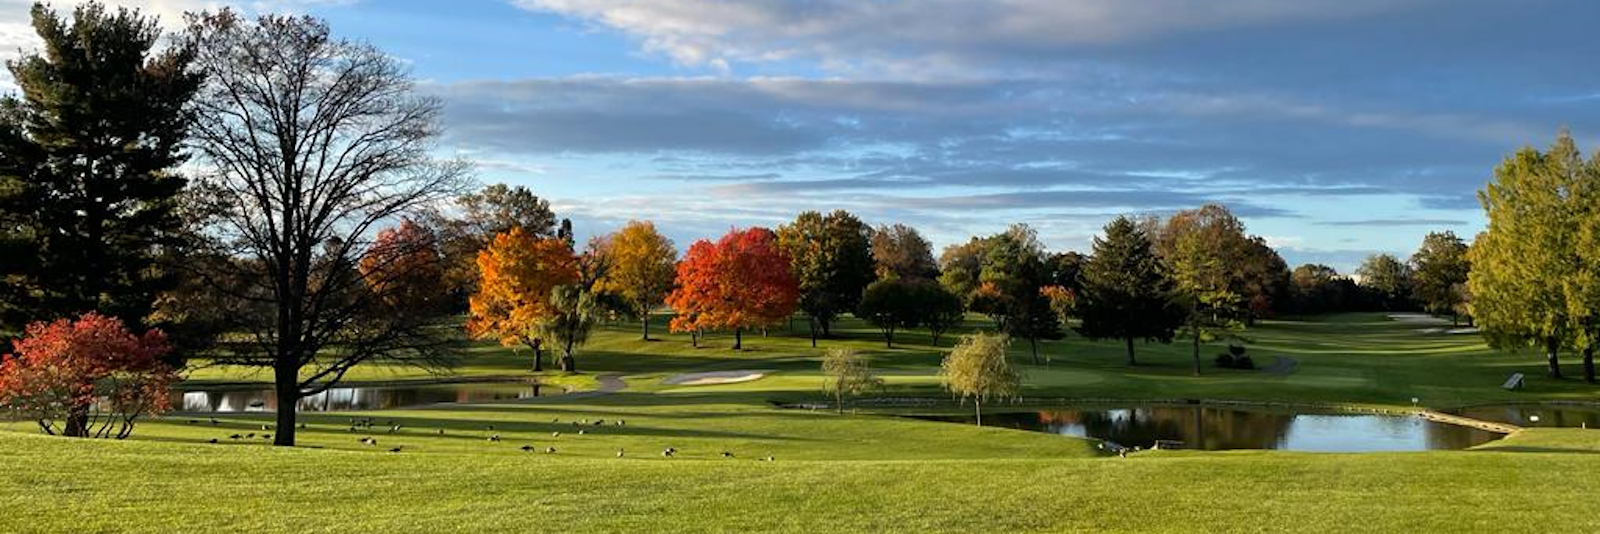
x=1334, y=128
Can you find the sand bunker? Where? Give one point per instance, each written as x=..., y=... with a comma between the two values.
x=715, y=377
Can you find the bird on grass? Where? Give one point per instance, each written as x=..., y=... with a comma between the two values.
x=555, y=434
x=213, y=441
x=491, y=428
x=527, y=448
x=235, y=436
x=726, y=454
x=598, y=422
x=266, y=427
x=266, y=436
x=767, y=459
x=494, y=438
x=302, y=426
x=250, y=435
x=669, y=452
x=620, y=453
x=441, y=431
x=369, y=440
x=549, y=450
x=396, y=449
x=580, y=432
x=621, y=422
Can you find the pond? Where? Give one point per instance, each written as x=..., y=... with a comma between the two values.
x=1212, y=428
x=255, y=399
x=1537, y=415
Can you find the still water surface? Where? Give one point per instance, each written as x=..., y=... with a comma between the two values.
x=1211, y=428
x=357, y=398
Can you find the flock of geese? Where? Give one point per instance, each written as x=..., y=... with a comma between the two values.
x=366, y=424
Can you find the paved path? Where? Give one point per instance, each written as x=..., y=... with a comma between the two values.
x=1282, y=366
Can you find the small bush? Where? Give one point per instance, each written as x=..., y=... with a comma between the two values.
x=1225, y=361
x=1236, y=350
x=1244, y=362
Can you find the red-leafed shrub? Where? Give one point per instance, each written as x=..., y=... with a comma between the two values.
x=86, y=378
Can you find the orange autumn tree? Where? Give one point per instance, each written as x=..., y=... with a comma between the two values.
x=516, y=275
x=742, y=281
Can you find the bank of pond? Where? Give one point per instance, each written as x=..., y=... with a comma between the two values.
x=1230, y=428
x=358, y=398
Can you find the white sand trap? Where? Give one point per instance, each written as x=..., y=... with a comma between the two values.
x=715, y=377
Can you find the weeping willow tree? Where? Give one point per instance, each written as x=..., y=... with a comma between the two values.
x=978, y=369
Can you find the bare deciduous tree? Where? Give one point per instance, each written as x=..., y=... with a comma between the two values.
x=313, y=141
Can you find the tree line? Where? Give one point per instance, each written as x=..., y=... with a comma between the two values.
x=264, y=193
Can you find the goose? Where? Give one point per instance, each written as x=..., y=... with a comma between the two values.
x=527, y=448
x=549, y=450
x=726, y=454
x=213, y=441
x=495, y=438
x=555, y=434
x=396, y=449
x=619, y=452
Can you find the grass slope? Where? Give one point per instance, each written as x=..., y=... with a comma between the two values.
x=840, y=473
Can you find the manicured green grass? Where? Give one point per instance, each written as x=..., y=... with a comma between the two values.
x=53, y=485
x=863, y=471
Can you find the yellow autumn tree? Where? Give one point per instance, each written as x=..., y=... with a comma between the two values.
x=642, y=265
x=517, y=273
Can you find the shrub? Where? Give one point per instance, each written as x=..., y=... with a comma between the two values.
x=86, y=378
x=1244, y=362
x=1225, y=361
x=1236, y=350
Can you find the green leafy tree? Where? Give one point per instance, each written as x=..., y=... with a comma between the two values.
x=1127, y=294
x=88, y=157
x=1387, y=279
x=890, y=305
x=1524, y=261
x=1439, y=269
x=1201, y=278
x=570, y=324
x=1582, y=289
x=832, y=258
x=939, y=310
x=848, y=375
x=978, y=369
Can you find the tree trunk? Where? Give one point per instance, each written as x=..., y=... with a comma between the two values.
x=77, y=424
x=813, y=323
x=1552, y=347
x=288, y=393
x=1196, y=352
x=646, y=321
x=1588, y=365
x=568, y=363
x=1129, y=340
x=838, y=398
x=977, y=403
x=888, y=337
x=538, y=357
x=1033, y=344
x=827, y=329
x=738, y=339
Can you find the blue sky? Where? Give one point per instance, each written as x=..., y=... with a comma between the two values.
x=1335, y=128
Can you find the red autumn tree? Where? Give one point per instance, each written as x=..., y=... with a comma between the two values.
x=517, y=273
x=405, y=269
x=742, y=281
x=86, y=378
